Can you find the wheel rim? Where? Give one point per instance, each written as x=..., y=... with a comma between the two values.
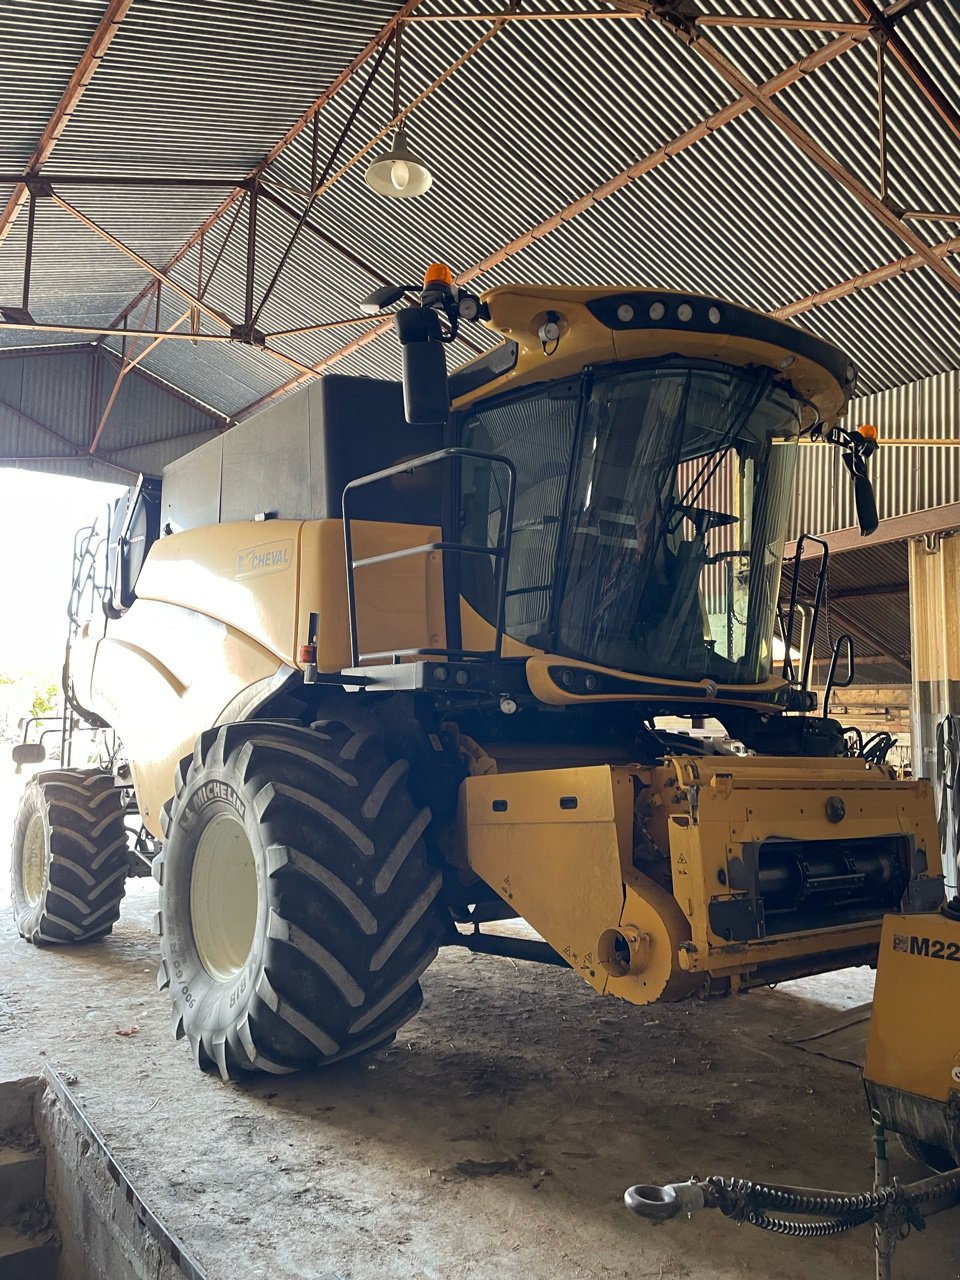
x=34, y=864
x=224, y=897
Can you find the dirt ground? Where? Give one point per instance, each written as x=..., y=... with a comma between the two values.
x=493, y=1141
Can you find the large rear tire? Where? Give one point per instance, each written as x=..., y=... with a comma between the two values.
x=69, y=858
x=298, y=908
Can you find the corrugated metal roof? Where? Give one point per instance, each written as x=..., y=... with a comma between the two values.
x=42, y=42
x=206, y=87
x=51, y=401
x=541, y=114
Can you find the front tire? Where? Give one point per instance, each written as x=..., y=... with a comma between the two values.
x=297, y=905
x=69, y=860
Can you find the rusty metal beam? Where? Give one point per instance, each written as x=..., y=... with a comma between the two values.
x=860, y=632
x=101, y=331
x=317, y=328
x=84, y=72
x=120, y=181
x=783, y=24
x=217, y=316
x=919, y=215
x=889, y=36
x=876, y=275
x=587, y=15
x=130, y=363
x=807, y=145
x=234, y=333
x=215, y=415
x=349, y=255
x=874, y=589
x=305, y=370
x=218, y=421
x=690, y=137
x=335, y=357
x=234, y=202
x=385, y=33
x=401, y=115
x=915, y=524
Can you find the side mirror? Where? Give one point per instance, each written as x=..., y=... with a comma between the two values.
x=426, y=393
x=28, y=753
x=863, y=495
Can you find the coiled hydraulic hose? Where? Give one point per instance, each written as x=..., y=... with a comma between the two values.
x=834, y=1212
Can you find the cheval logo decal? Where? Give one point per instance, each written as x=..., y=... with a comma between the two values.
x=268, y=557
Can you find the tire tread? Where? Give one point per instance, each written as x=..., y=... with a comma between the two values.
x=354, y=917
x=86, y=858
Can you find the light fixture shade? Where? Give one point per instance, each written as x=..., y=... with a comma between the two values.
x=398, y=174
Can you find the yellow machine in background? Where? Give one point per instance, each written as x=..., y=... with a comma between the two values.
x=385, y=674
x=912, y=1072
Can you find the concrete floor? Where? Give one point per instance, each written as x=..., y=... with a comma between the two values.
x=493, y=1141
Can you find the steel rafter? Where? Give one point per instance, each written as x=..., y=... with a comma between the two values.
x=158, y=274
x=133, y=331
x=401, y=115
x=882, y=20
x=686, y=31
x=325, y=184
x=252, y=187
x=863, y=281
x=318, y=186
x=129, y=363
x=74, y=450
x=233, y=332
x=679, y=18
x=83, y=73
x=384, y=34
x=861, y=632
x=589, y=15
x=350, y=255
x=803, y=67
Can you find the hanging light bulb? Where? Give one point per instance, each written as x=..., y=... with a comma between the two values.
x=398, y=174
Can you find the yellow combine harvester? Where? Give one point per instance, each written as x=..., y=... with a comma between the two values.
x=387, y=665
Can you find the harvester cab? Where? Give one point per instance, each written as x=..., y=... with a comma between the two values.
x=396, y=664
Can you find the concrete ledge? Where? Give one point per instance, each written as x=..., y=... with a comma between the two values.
x=59, y=1185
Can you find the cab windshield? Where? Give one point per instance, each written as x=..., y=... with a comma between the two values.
x=649, y=516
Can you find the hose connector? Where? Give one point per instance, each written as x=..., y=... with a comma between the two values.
x=660, y=1203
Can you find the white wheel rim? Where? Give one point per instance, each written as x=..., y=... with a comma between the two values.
x=34, y=864
x=224, y=897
